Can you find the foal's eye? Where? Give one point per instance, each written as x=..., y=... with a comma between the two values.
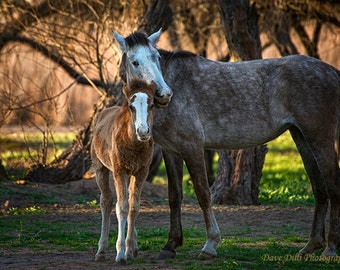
x=151, y=106
x=135, y=63
x=131, y=108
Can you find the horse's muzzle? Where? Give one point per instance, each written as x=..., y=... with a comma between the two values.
x=163, y=100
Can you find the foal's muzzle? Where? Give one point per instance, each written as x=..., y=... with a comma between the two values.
x=144, y=134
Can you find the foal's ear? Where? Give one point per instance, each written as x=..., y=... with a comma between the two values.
x=120, y=40
x=153, y=87
x=124, y=90
x=154, y=38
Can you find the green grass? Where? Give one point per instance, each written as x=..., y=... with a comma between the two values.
x=38, y=233
x=237, y=251
x=19, y=151
x=284, y=179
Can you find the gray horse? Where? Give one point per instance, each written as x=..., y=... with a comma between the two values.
x=219, y=105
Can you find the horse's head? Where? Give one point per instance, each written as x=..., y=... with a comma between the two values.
x=141, y=60
x=140, y=97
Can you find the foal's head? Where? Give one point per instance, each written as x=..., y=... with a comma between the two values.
x=140, y=96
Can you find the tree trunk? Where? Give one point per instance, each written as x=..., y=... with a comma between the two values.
x=72, y=164
x=3, y=173
x=239, y=172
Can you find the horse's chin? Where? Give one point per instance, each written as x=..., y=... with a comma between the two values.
x=161, y=103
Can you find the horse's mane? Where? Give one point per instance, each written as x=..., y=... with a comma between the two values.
x=171, y=55
x=166, y=57
x=137, y=38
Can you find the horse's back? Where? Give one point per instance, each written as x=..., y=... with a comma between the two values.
x=236, y=105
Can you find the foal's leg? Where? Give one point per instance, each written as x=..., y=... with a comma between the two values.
x=317, y=238
x=135, y=190
x=106, y=205
x=121, y=183
x=174, y=169
x=196, y=168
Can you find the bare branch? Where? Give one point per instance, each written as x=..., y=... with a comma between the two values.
x=56, y=58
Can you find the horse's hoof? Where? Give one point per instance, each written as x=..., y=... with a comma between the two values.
x=166, y=254
x=310, y=248
x=99, y=257
x=329, y=252
x=206, y=256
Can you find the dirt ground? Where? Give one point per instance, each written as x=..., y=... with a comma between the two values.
x=259, y=220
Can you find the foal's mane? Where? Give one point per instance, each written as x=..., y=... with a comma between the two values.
x=137, y=85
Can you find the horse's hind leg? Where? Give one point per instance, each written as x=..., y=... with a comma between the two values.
x=320, y=162
x=106, y=204
x=317, y=236
x=328, y=164
x=174, y=169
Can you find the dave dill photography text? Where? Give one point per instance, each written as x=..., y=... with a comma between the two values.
x=300, y=258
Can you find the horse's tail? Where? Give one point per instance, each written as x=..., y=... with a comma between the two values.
x=337, y=143
x=337, y=138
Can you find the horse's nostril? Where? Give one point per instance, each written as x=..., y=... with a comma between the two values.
x=159, y=94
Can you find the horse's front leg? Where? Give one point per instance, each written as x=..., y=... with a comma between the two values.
x=106, y=205
x=122, y=207
x=196, y=167
x=135, y=190
x=174, y=169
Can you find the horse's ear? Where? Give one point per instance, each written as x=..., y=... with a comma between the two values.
x=120, y=40
x=154, y=38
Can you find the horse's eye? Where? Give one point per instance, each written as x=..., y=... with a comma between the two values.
x=135, y=63
x=131, y=108
x=151, y=106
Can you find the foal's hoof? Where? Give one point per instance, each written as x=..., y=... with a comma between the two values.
x=99, y=257
x=166, y=254
x=206, y=256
